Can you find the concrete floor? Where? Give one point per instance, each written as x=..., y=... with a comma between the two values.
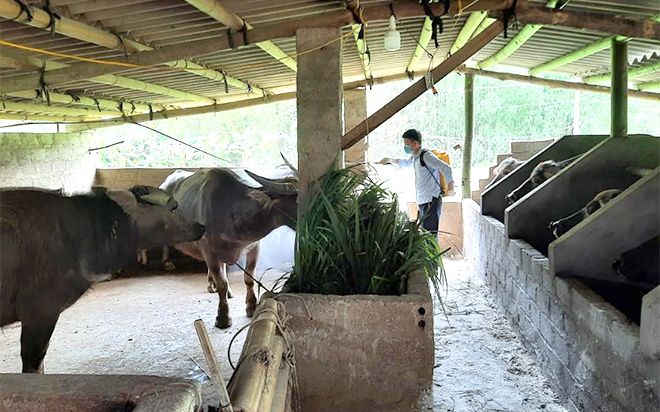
x=144, y=325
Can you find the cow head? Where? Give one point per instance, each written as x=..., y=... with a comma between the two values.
x=562, y=226
x=541, y=173
x=281, y=198
x=155, y=215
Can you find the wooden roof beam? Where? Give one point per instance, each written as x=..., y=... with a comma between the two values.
x=267, y=32
x=402, y=100
x=521, y=38
x=606, y=23
x=635, y=72
x=71, y=28
x=217, y=11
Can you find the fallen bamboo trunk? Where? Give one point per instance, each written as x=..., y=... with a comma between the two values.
x=256, y=358
x=282, y=393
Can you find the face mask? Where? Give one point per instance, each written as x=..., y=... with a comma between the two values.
x=407, y=149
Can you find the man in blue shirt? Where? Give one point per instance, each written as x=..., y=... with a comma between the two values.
x=427, y=180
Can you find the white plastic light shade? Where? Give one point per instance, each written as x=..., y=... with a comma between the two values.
x=392, y=36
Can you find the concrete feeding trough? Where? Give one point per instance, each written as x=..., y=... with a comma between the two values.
x=98, y=393
x=603, y=167
x=493, y=200
x=363, y=352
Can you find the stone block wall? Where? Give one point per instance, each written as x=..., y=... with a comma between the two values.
x=524, y=150
x=585, y=347
x=47, y=160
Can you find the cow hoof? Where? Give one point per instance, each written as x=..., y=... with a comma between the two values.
x=250, y=312
x=230, y=293
x=222, y=323
x=211, y=288
x=169, y=266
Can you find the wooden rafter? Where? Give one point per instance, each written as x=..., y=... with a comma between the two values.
x=71, y=28
x=267, y=32
x=419, y=87
x=234, y=22
x=606, y=23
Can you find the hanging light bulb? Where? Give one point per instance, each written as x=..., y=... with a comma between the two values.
x=392, y=36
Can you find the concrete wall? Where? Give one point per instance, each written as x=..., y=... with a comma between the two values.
x=47, y=160
x=586, y=348
x=363, y=352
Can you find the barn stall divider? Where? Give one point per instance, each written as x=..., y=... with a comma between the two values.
x=575, y=311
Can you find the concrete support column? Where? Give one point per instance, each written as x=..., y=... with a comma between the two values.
x=355, y=111
x=319, y=93
x=469, y=134
x=619, y=97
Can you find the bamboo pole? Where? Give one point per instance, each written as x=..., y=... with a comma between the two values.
x=214, y=366
x=257, y=355
x=111, y=79
x=606, y=23
x=578, y=54
x=485, y=23
x=88, y=101
x=217, y=11
x=174, y=52
x=71, y=28
x=282, y=395
x=42, y=118
x=414, y=91
x=361, y=45
x=473, y=22
x=469, y=134
x=648, y=86
x=637, y=71
x=517, y=42
x=59, y=110
x=273, y=374
x=559, y=84
x=619, y=99
x=423, y=42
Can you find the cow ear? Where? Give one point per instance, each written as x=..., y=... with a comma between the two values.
x=153, y=196
x=124, y=198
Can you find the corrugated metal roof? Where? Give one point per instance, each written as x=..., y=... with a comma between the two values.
x=161, y=23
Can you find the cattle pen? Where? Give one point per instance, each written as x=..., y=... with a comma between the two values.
x=257, y=283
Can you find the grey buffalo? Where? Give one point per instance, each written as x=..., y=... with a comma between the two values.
x=55, y=247
x=505, y=167
x=542, y=172
x=236, y=215
x=562, y=226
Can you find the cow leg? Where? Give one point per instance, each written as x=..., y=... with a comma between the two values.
x=218, y=272
x=250, y=266
x=211, y=287
x=35, y=336
x=165, y=259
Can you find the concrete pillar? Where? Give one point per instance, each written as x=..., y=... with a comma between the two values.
x=355, y=111
x=319, y=101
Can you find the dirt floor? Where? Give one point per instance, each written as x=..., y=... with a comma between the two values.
x=144, y=325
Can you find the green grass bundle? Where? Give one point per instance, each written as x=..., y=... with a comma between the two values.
x=353, y=239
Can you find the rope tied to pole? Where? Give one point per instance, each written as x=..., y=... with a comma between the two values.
x=507, y=15
x=436, y=21
x=24, y=9
x=42, y=85
x=52, y=15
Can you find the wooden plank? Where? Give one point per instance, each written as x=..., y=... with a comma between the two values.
x=414, y=91
x=258, y=34
x=603, y=167
x=588, y=249
x=606, y=23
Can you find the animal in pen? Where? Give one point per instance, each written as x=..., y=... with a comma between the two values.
x=505, y=167
x=236, y=216
x=562, y=226
x=541, y=173
x=641, y=264
x=56, y=247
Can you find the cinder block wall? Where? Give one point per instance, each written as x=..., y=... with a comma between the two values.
x=47, y=160
x=585, y=347
x=524, y=150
